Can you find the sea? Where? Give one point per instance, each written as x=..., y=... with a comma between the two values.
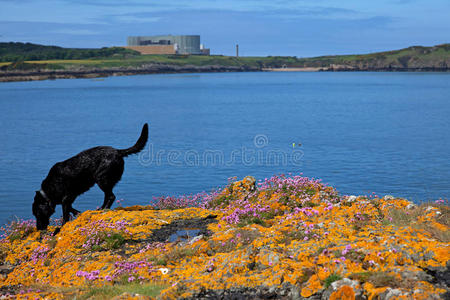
x=363, y=133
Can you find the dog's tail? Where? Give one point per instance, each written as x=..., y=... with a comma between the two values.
x=140, y=144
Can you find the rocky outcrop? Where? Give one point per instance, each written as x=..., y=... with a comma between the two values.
x=84, y=72
x=285, y=238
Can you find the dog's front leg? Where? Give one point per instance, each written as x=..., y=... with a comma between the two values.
x=66, y=208
x=74, y=211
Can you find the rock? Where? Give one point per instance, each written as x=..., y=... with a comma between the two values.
x=430, y=208
x=129, y=296
x=6, y=269
x=351, y=199
x=411, y=206
x=196, y=239
x=267, y=259
x=440, y=276
x=294, y=294
x=390, y=294
x=354, y=284
x=388, y=197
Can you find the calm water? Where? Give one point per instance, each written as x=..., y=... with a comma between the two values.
x=360, y=132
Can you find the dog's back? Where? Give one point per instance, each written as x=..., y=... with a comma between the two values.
x=79, y=173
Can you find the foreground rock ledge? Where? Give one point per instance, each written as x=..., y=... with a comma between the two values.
x=291, y=238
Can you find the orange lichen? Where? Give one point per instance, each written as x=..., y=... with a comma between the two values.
x=344, y=293
x=311, y=287
x=292, y=231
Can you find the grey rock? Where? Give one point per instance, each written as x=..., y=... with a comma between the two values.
x=340, y=283
x=272, y=258
x=196, y=239
x=390, y=293
x=411, y=206
x=351, y=199
x=294, y=294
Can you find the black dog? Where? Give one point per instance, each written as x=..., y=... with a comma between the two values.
x=66, y=180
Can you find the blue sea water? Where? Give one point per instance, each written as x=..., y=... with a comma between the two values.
x=387, y=133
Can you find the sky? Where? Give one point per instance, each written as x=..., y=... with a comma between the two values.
x=301, y=28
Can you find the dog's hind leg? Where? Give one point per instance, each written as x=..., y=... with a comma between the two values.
x=109, y=199
x=107, y=182
x=109, y=196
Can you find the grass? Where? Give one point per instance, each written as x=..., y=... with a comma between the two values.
x=176, y=253
x=19, y=230
x=405, y=217
x=108, y=241
x=108, y=292
x=380, y=279
x=330, y=279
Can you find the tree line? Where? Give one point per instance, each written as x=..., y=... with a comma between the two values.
x=13, y=52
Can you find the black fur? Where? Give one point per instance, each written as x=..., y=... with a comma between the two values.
x=67, y=180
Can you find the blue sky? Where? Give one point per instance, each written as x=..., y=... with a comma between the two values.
x=261, y=27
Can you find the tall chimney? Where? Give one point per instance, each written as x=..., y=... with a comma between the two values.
x=237, y=50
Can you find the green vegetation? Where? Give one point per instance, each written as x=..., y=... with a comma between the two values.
x=11, y=52
x=378, y=279
x=411, y=57
x=32, y=57
x=110, y=291
x=332, y=278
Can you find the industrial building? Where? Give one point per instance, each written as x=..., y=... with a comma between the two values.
x=167, y=44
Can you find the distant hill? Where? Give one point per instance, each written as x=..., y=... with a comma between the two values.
x=12, y=52
x=19, y=61
x=415, y=57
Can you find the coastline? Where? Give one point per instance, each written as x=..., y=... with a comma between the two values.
x=48, y=74
x=45, y=74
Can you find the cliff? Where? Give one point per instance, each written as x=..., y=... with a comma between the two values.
x=283, y=238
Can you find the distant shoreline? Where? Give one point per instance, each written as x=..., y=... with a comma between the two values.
x=34, y=75
x=304, y=69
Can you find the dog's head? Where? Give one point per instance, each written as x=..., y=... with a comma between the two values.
x=42, y=210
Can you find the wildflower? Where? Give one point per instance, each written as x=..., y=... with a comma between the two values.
x=164, y=271
x=346, y=249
